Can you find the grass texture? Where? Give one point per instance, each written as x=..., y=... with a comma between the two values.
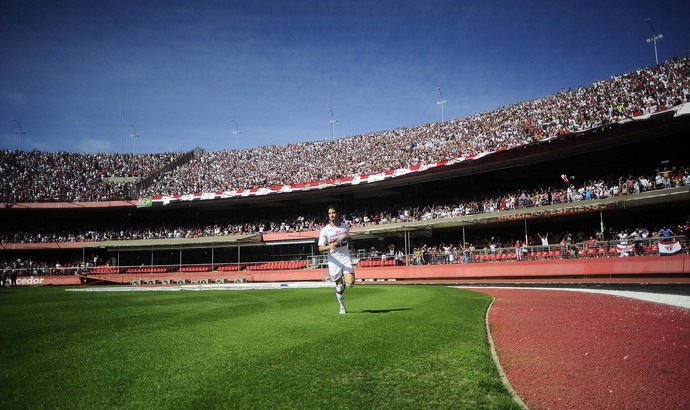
x=398, y=347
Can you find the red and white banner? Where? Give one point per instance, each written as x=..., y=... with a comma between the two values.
x=669, y=248
x=624, y=249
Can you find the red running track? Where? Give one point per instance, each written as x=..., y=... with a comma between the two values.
x=575, y=350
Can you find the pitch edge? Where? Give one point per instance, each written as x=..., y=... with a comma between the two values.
x=494, y=356
x=208, y=286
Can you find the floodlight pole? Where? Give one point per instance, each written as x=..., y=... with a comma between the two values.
x=332, y=121
x=654, y=38
x=441, y=102
x=237, y=131
x=134, y=136
x=19, y=133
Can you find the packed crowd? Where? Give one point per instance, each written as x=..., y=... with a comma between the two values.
x=644, y=91
x=35, y=176
x=41, y=177
x=382, y=213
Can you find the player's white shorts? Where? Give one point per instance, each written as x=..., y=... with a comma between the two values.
x=337, y=268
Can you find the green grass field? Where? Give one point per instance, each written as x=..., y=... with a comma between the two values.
x=398, y=347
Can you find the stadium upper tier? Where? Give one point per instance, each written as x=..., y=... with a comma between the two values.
x=64, y=177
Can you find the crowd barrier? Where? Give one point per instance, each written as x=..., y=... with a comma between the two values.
x=639, y=268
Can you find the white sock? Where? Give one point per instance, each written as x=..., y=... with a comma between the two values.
x=340, y=294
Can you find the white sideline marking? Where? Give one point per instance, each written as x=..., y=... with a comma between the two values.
x=207, y=286
x=666, y=299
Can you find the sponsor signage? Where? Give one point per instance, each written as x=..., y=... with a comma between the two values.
x=46, y=280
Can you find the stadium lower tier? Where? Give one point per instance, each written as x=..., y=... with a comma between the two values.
x=652, y=268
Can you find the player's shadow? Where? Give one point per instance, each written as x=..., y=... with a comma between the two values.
x=384, y=310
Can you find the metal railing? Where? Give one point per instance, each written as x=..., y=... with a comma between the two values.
x=572, y=250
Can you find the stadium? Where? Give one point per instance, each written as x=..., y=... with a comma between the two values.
x=596, y=170
x=585, y=187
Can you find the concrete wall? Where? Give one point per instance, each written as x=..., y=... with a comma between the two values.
x=640, y=268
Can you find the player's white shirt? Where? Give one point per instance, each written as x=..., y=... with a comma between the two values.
x=340, y=235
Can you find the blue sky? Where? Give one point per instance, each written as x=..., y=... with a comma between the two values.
x=184, y=70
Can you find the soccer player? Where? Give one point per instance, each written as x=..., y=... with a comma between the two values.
x=334, y=238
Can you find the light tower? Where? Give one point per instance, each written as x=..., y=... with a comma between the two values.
x=20, y=132
x=235, y=132
x=134, y=137
x=441, y=102
x=654, y=38
x=332, y=121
